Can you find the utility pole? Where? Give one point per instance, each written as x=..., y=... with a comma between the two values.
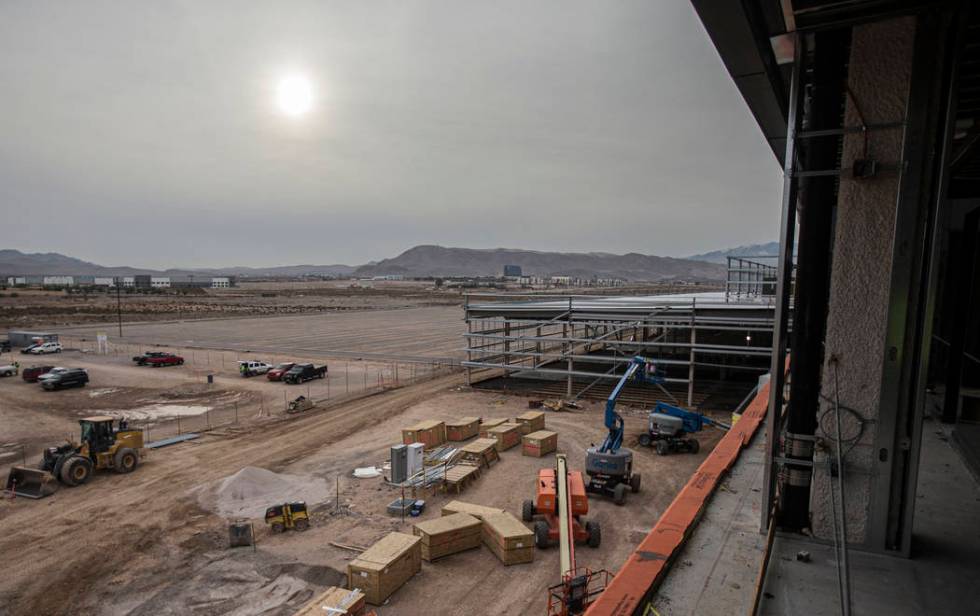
x=118, y=281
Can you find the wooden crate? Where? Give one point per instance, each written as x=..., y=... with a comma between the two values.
x=335, y=601
x=477, y=511
x=508, y=538
x=507, y=435
x=540, y=443
x=430, y=433
x=531, y=421
x=458, y=476
x=448, y=535
x=462, y=429
x=385, y=566
x=482, y=451
x=488, y=424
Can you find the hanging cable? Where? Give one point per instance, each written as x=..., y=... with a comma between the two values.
x=845, y=580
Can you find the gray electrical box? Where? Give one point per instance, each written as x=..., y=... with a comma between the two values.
x=399, y=463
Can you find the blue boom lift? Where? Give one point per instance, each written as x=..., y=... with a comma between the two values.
x=610, y=468
x=670, y=426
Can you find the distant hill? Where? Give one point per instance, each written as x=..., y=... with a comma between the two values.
x=420, y=261
x=441, y=261
x=721, y=256
x=17, y=263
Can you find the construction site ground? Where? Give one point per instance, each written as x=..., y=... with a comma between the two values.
x=143, y=543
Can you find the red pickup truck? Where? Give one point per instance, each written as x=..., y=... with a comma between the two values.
x=32, y=374
x=163, y=359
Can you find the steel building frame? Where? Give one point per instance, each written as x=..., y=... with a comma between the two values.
x=593, y=338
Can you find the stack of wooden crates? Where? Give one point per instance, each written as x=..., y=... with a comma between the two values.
x=448, y=535
x=384, y=567
x=540, y=443
x=505, y=535
x=531, y=421
x=507, y=435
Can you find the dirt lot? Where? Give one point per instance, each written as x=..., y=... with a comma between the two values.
x=26, y=308
x=142, y=544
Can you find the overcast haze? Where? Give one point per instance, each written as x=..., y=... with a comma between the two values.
x=148, y=134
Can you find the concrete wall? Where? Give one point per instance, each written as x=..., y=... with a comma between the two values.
x=879, y=76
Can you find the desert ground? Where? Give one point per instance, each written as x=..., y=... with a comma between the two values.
x=155, y=541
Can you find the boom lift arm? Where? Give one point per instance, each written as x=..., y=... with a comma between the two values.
x=613, y=420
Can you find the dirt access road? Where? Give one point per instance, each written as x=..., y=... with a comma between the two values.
x=141, y=544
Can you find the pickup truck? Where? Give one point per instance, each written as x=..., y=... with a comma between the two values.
x=140, y=360
x=280, y=370
x=64, y=377
x=9, y=369
x=164, y=359
x=253, y=368
x=300, y=373
x=34, y=372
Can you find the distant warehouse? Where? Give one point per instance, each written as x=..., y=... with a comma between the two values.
x=139, y=281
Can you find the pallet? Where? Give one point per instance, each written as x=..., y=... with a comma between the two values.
x=460, y=476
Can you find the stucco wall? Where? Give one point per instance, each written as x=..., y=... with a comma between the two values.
x=878, y=77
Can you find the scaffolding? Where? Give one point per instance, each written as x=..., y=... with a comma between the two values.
x=751, y=278
x=586, y=340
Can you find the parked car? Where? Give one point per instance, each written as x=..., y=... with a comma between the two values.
x=4, y=346
x=253, y=368
x=46, y=347
x=300, y=373
x=141, y=359
x=64, y=377
x=30, y=348
x=9, y=369
x=32, y=374
x=164, y=359
x=279, y=371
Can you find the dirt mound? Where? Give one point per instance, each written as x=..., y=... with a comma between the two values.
x=248, y=493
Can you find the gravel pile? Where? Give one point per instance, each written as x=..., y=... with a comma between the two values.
x=248, y=493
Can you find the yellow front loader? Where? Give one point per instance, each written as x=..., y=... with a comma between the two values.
x=101, y=447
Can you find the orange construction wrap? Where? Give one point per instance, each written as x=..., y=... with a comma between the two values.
x=647, y=565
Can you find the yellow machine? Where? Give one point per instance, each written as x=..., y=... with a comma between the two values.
x=287, y=515
x=101, y=447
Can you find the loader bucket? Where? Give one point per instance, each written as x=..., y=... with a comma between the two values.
x=31, y=482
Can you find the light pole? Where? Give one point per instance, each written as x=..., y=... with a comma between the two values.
x=118, y=282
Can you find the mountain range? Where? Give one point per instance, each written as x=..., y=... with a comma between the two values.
x=770, y=249
x=424, y=261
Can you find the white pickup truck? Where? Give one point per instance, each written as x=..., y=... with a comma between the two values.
x=253, y=368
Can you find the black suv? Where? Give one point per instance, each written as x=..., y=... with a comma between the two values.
x=64, y=377
x=301, y=373
x=4, y=346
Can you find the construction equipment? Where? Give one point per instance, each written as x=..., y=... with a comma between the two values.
x=300, y=404
x=100, y=448
x=669, y=427
x=610, y=468
x=287, y=516
x=546, y=503
x=579, y=586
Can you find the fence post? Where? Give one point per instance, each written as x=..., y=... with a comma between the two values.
x=236, y=412
x=178, y=425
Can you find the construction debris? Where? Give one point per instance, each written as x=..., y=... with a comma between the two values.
x=367, y=472
x=448, y=535
x=173, y=440
x=462, y=429
x=240, y=534
x=540, y=443
x=385, y=566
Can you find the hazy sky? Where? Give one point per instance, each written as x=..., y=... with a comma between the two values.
x=149, y=134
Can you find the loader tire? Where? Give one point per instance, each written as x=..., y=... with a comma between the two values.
x=693, y=445
x=125, y=460
x=635, y=483
x=278, y=527
x=301, y=525
x=646, y=440
x=76, y=471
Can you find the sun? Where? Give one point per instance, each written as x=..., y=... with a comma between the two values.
x=295, y=95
